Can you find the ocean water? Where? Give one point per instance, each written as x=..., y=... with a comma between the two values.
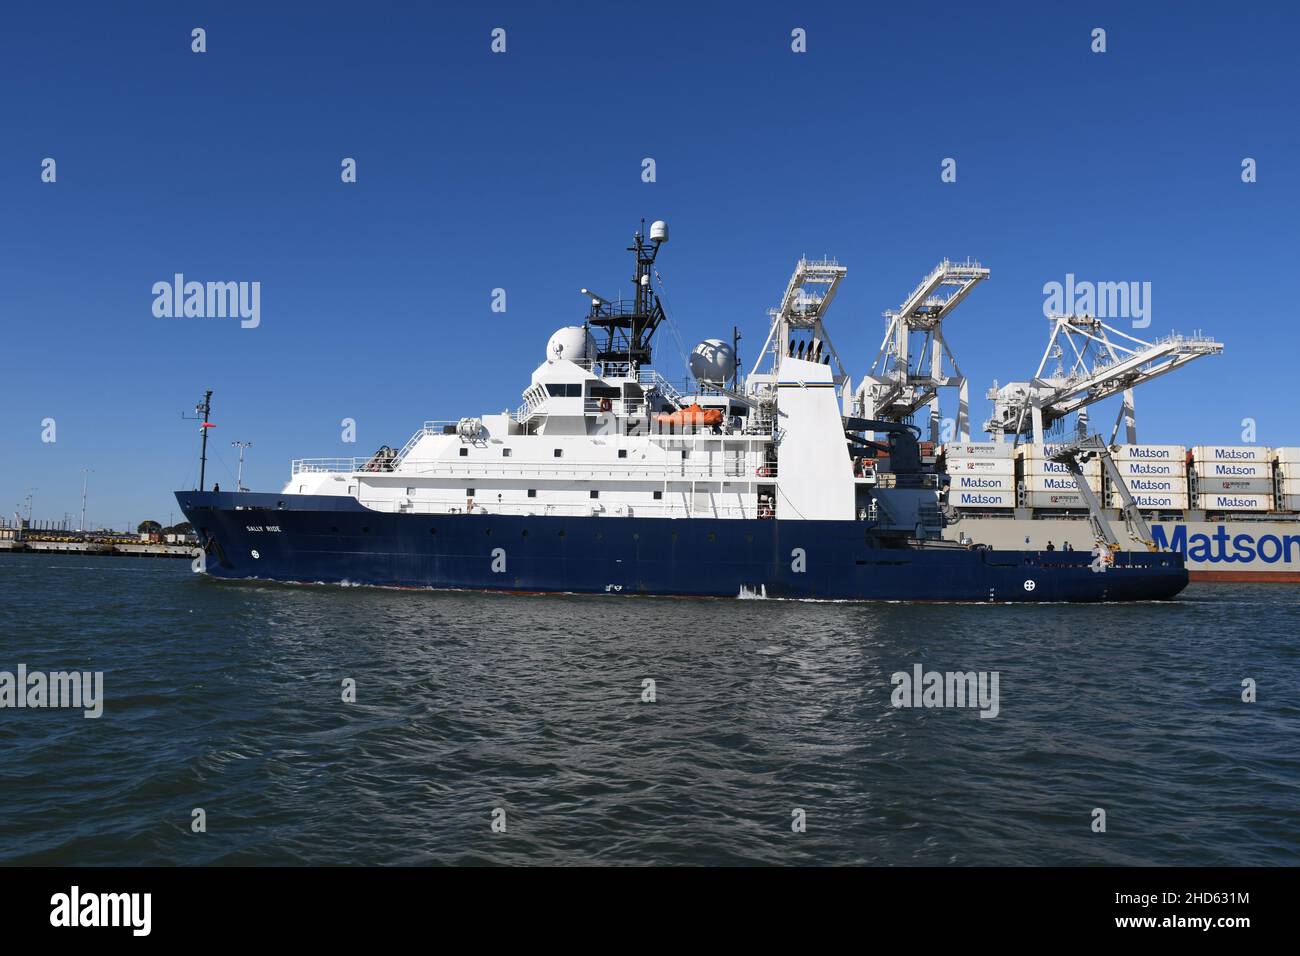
x=228, y=697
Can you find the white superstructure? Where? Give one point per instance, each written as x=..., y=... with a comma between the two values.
x=601, y=433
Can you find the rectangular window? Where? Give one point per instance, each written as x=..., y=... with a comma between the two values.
x=595, y=493
x=469, y=492
x=464, y=453
x=352, y=489
x=532, y=492
x=410, y=492
x=658, y=495
x=559, y=453
x=505, y=452
x=622, y=453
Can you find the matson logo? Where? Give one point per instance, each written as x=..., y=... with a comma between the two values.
x=1225, y=548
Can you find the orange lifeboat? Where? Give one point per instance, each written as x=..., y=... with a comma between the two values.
x=691, y=415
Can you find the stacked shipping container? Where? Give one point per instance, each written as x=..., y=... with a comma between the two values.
x=1287, y=462
x=1049, y=484
x=982, y=475
x=1232, y=477
x=1229, y=478
x=1156, y=476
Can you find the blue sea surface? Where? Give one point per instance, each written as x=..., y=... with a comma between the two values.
x=229, y=697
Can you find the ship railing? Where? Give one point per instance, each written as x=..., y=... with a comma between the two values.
x=651, y=379
x=428, y=428
x=727, y=469
x=626, y=407
x=488, y=506
x=301, y=466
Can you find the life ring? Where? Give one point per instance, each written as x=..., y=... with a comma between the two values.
x=764, y=471
x=606, y=404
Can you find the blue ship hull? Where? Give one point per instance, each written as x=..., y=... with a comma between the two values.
x=332, y=540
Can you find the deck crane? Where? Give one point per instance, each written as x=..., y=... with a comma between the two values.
x=897, y=386
x=1099, y=367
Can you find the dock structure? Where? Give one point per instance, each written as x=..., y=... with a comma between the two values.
x=87, y=547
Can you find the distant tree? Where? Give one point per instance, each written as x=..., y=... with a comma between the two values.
x=183, y=528
x=149, y=527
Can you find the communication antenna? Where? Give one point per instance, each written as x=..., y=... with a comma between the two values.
x=201, y=413
x=239, y=477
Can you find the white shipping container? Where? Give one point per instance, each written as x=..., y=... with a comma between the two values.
x=1233, y=469
x=1063, y=483
x=1235, y=502
x=1152, y=469
x=1291, y=486
x=1036, y=452
x=979, y=449
x=1231, y=454
x=1158, y=486
x=968, y=482
x=1038, y=466
x=1166, y=453
x=1249, y=486
x=980, y=466
x=1052, y=499
x=1289, y=455
x=1289, y=503
x=982, y=499
x=1167, y=502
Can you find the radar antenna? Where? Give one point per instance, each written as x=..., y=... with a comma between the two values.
x=628, y=328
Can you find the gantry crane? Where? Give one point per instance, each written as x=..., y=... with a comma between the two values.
x=798, y=329
x=1099, y=368
x=896, y=387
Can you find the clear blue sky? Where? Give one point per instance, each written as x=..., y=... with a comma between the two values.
x=522, y=171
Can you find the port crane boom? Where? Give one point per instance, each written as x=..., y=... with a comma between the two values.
x=896, y=388
x=1103, y=362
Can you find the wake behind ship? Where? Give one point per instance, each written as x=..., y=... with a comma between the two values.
x=609, y=479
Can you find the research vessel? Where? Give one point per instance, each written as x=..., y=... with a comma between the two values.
x=609, y=479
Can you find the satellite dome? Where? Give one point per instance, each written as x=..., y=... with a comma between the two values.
x=713, y=361
x=571, y=343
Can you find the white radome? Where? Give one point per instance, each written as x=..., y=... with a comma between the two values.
x=712, y=362
x=571, y=343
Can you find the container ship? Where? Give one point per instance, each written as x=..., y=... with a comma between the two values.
x=1231, y=511
x=609, y=479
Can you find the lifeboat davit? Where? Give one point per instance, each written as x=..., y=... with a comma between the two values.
x=691, y=415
